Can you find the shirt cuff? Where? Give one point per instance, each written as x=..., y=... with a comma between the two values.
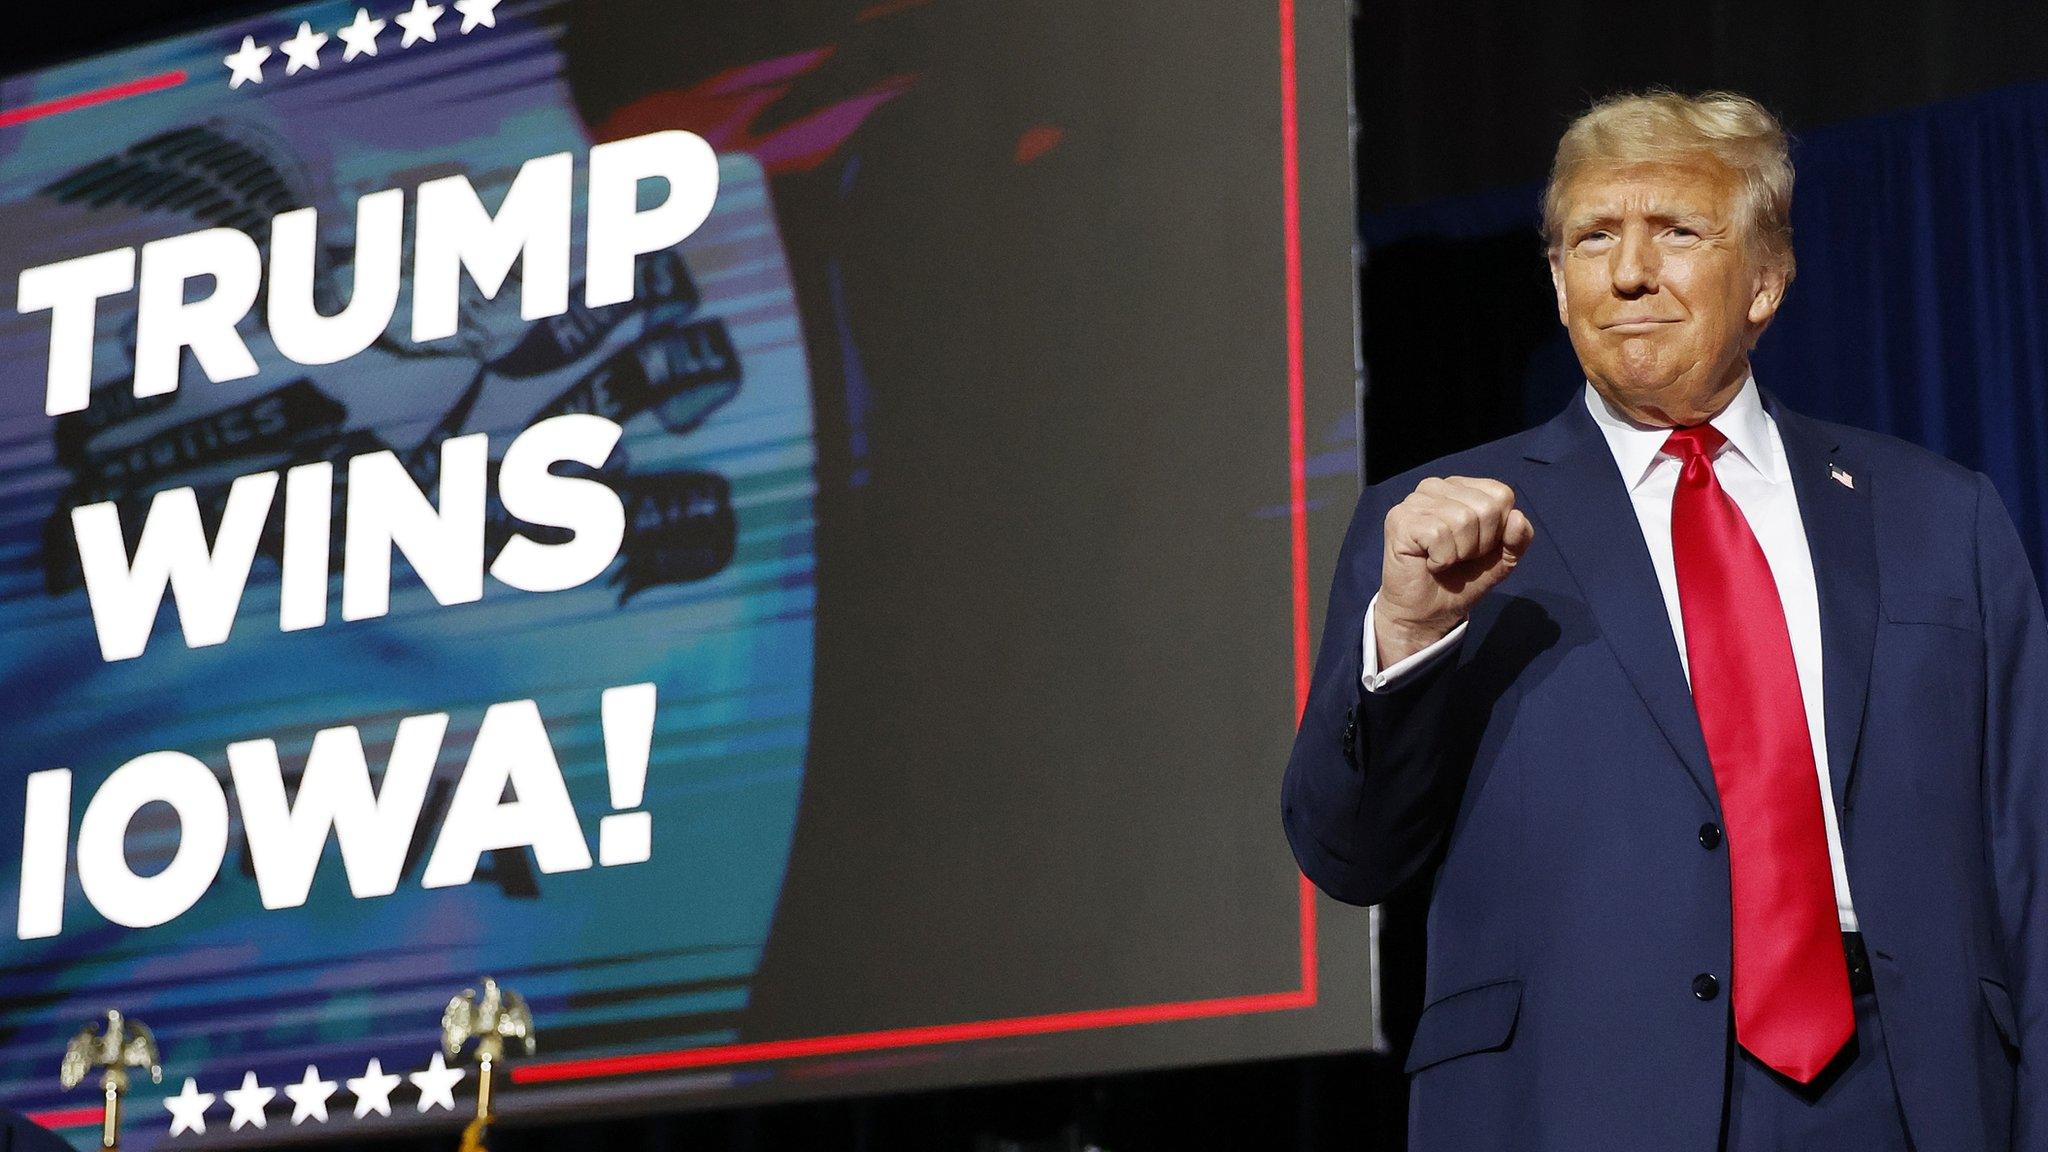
x=1403, y=671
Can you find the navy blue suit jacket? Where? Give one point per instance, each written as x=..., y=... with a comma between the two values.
x=1550, y=782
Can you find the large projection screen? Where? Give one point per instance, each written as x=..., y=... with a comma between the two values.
x=785, y=533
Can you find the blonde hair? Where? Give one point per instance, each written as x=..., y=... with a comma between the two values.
x=1662, y=126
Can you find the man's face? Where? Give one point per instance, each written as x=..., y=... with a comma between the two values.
x=1660, y=288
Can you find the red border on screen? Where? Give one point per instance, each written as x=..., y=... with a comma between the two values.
x=1087, y=1020
x=11, y=116
x=1303, y=997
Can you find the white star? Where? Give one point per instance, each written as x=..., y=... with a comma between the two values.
x=477, y=12
x=303, y=50
x=248, y=1101
x=437, y=1084
x=309, y=1096
x=361, y=36
x=188, y=1109
x=418, y=22
x=247, y=63
x=373, y=1090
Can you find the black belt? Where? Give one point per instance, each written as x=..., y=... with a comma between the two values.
x=1859, y=964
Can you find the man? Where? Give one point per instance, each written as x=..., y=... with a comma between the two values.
x=1718, y=733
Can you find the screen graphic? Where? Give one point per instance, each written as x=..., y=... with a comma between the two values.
x=741, y=526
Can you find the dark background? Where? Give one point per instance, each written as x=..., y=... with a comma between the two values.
x=1452, y=100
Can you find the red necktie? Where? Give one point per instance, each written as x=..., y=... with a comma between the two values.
x=1791, y=983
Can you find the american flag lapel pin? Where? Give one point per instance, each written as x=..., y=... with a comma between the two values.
x=1840, y=477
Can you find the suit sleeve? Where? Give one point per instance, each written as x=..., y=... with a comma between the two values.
x=1365, y=800
x=2016, y=791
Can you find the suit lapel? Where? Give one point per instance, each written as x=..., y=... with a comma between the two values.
x=1842, y=543
x=1576, y=496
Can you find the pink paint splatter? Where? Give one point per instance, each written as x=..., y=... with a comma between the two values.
x=1037, y=141
x=727, y=110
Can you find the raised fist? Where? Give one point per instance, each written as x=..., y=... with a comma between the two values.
x=1448, y=544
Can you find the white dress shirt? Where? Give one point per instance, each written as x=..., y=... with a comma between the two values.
x=1751, y=468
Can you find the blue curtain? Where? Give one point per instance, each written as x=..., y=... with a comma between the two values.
x=1921, y=304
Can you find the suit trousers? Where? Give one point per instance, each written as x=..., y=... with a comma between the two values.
x=1852, y=1104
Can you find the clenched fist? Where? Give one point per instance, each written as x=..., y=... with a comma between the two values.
x=1448, y=544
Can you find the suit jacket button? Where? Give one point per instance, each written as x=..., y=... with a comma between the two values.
x=1710, y=836
x=1705, y=986
x=1351, y=733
